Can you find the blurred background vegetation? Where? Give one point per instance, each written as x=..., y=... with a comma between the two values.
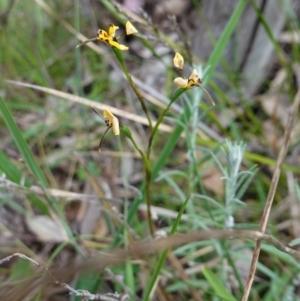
x=61, y=200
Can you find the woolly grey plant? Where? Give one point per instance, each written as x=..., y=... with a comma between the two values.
x=236, y=181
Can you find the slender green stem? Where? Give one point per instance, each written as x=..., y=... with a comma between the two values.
x=154, y=130
x=148, y=170
x=148, y=200
x=148, y=173
x=148, y=182
x=161, y=118
x=137, y=92
x=164, y=254
x=146, y=158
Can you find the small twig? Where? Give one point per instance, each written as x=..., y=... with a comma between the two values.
x=286, y=141
x=119, y=280
x=8, y=258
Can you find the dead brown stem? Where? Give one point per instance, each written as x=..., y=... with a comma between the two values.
x=135, y=250
x=286, y=141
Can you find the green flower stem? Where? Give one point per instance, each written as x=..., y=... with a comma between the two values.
x=146, y=158
x=120, y=58
x=148, y=173
x=164, y=254
x=148, y=183
x=175, y=96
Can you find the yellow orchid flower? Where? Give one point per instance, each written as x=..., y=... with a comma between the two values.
x=194, y=80
x=112, y=121
x=178, y=60
x=130, y=29
x=181, y=82
x=110, y=37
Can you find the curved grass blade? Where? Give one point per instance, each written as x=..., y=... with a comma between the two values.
x=22, y=145
x=217, y=285
x=164, y=254
x=32, y=163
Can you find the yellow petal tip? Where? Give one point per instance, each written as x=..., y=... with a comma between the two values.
x=130, y=29
x=178, y=60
